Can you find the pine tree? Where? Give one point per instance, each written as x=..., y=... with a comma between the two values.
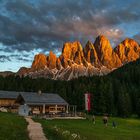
x=138, y=107
x=124, y=103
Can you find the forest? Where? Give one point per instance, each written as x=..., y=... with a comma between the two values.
x=117, y=93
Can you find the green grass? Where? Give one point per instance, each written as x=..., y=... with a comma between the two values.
x=127, y=129
x=12, y=127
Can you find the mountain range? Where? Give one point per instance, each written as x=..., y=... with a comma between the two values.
x=98, y=58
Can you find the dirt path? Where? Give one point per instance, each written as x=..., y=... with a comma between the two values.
x=35, y=130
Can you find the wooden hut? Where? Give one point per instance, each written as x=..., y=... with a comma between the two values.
x=43, y=103
x=34, y=103
x=8, y=100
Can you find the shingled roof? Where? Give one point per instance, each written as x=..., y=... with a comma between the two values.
x=43, y=98
x=8, y=94
x=34, y=98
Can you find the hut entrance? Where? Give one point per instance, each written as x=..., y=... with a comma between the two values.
x=23, y=110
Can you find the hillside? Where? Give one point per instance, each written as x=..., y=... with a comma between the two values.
x=12, y=127
x=127, y=129
x=6, y=73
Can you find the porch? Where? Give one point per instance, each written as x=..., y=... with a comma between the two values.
x=53, y=110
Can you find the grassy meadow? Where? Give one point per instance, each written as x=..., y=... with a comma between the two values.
x=12, y=127
x=127, y=129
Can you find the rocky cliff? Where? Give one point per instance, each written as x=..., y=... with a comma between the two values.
x=98, y=58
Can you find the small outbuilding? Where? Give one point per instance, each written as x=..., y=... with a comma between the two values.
x=23, y=110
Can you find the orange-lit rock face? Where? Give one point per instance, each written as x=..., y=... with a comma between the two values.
x=90, y=54
x=95, y=59
x=40, y=62
x=51, y=59
x=128, y=50
x=78, y=58
x=58, y=64
x=72, y=52
x=69, y=49
x=105, y=53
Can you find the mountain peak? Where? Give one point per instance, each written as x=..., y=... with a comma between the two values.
x=51, y=60
x=94, y=59
x=128, y=50
x=70, y=48
x=39, y=62
x=72, y=51
x=102, y=42
x=103, y=47
x=51, y=53
x=89, y=45
x=102, y=39
x=105, y=52
x=90, y=53
x=101, y=36
x=130, y=42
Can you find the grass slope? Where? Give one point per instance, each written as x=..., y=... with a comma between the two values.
x=127, y=129
x=12, y=127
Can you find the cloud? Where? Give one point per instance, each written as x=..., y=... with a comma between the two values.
x=4, y=58
x=28, y=25
x=20, y=57
x=24, y=59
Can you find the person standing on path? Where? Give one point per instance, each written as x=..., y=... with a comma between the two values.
x=93, y=119
x=105, y=120
x=114, y=124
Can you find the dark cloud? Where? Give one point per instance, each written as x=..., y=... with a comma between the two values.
x=26, y=25
x=4, y=58
x=24, y=59
x=16, y=58
x=20, y=57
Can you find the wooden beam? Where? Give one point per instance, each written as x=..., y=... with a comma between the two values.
x=43, y=109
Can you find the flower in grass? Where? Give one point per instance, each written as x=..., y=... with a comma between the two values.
x=66, y=133
x=55, y=127
x=78, y=136
x=74, y=135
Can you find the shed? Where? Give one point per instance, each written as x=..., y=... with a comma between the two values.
x=23, y=110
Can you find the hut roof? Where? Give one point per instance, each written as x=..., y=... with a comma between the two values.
x=34, y=98
x=8, y=94
x=43, y=98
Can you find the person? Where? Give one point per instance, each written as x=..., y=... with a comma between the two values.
x=93, y=119
x=105, y=120
x=114, y=124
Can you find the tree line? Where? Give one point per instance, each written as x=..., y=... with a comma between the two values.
x=117, y=93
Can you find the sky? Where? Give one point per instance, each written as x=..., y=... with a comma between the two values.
x=29, y=27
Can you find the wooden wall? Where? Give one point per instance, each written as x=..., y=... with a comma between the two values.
x=7, y=102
